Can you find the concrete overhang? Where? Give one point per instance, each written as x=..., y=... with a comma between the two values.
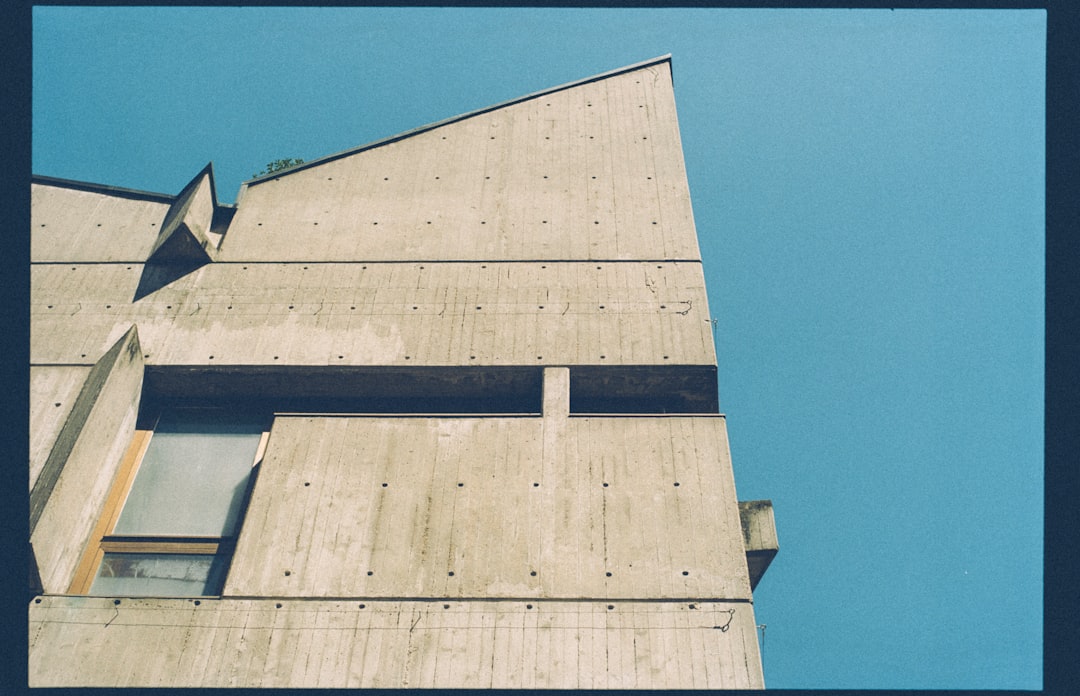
x=759, y=536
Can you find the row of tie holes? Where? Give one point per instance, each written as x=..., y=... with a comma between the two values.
x=278, y=605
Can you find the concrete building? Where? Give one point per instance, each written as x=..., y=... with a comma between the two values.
x=439, y=411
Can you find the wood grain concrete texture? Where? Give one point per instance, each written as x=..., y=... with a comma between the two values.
x=288, y=643
x=74, y=226
x=594, y=171
x=493, y=507
x=53, y=390
x=421, y=313
x=94, y=438
x=759, y=525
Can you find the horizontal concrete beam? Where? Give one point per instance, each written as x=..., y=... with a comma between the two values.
x=400, y=643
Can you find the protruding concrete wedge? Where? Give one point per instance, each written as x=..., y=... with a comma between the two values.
x=190, y=234
x=186, y=232
x=759, y=536
x=69, y=493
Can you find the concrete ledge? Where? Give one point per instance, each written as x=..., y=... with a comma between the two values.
x=759, y=536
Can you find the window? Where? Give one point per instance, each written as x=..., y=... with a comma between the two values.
x=173, y=515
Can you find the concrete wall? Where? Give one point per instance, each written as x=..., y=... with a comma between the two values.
x=403, y=314
x=493, y=507
x=53, y=390
x=553, y=233
x=288, y=643
x=590, y=172
x=85, y=226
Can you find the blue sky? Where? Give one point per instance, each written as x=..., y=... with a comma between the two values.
x=868, y=192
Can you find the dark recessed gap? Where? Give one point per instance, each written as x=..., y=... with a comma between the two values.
x=338, y=388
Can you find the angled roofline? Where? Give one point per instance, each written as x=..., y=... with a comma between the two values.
x=666, y=58
x=103, y=188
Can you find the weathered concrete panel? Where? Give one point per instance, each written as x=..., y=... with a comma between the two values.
x=53, y=390
x=493, y=507
x=80, y=226
x=365, y=643
x=406, y=314
x=594, y=171
x=68, y=494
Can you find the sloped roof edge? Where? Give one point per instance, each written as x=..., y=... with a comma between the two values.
x=135, y=194
x=103, y=188
x=666, y=58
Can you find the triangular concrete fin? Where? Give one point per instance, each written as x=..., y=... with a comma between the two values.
x=126, y=350
x=186, y=232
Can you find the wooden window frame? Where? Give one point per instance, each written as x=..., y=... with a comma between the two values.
x=102, y=539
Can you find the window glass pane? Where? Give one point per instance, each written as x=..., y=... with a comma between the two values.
x=159, y=575
x=193, y=477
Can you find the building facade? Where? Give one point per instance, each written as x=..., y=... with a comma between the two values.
x=439, y=411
